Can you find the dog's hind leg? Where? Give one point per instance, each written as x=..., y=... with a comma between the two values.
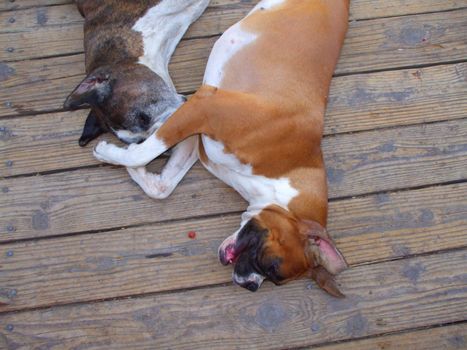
x=161, y=185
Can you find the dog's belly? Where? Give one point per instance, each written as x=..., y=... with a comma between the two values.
x=256, y=189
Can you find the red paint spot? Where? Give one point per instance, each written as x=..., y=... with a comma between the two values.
x=192, y=234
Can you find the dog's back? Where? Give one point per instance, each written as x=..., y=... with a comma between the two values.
x=108, y=34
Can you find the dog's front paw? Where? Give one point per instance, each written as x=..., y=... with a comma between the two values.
x=106, y=152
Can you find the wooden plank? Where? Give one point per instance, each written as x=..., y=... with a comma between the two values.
x=452, y=337
x=35, y=86
x=38, y=19
x=381, y=298
x=356, y=103
x=9, y=5
x=365, y=8
x=116, y=264
x=365, y=163
x=27, y=30
x=97, y=199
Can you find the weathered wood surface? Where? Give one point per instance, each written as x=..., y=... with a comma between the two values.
x=155, y=255
x=42, y=85
x=7, y=5
x=356, y=103
x=48, y=31
x=161, y=257
x=367, y=8
x=381, y=298
x=453, y=337
x=96, y=199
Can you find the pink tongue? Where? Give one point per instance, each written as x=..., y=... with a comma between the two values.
x=229, y=254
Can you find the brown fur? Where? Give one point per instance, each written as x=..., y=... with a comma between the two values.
x=123, y=94
x=268, y=111
x=108, y=37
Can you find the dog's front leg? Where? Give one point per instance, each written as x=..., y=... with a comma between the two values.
x=161, y=185
x=188, y=120
x=135, y=155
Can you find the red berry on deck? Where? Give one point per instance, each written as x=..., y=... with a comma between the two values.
x=192, y=234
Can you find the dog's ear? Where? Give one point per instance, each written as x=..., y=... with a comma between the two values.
x=92, y=91
x=326, y=281
x=92, y=129
x=323, y=250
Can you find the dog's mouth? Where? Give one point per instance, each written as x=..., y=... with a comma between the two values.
x=227, y=254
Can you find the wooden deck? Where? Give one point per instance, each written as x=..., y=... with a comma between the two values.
x=89, y=262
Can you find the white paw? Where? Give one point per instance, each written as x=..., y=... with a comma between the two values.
x=106, y=152
x=151, y=184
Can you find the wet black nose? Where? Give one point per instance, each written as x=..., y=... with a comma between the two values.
x=251, y=286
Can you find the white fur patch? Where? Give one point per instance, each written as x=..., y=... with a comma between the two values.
x=258, y=190
x=266, y=5
x=162, y=27
x=128, y=136
x=136, y=155
x=231, y=42
x=252, y=277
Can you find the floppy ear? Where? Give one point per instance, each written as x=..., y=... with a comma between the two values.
x=326, y=252
x=90, y=92
x=92, y=129
x=326, y=281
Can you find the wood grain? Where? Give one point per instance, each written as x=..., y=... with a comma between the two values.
x=366, y=8
x=7, y=5
x=161, y=257
x=356, y=103
x=42, y=85
x=396, y=158
x=63, y=24
x=381, y=298
x=453, y=337
x=96, y=199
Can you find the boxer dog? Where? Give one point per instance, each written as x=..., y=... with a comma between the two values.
x=128, y=45
x=256, y=123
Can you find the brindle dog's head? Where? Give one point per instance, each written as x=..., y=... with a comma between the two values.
x=127, y=99
x=274, y=245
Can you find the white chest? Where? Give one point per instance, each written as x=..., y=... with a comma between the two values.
x=256, y=189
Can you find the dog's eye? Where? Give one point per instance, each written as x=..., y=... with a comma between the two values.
x=143, y=120
x=272, y=269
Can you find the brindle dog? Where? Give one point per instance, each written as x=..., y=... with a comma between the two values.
x=128, y=45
